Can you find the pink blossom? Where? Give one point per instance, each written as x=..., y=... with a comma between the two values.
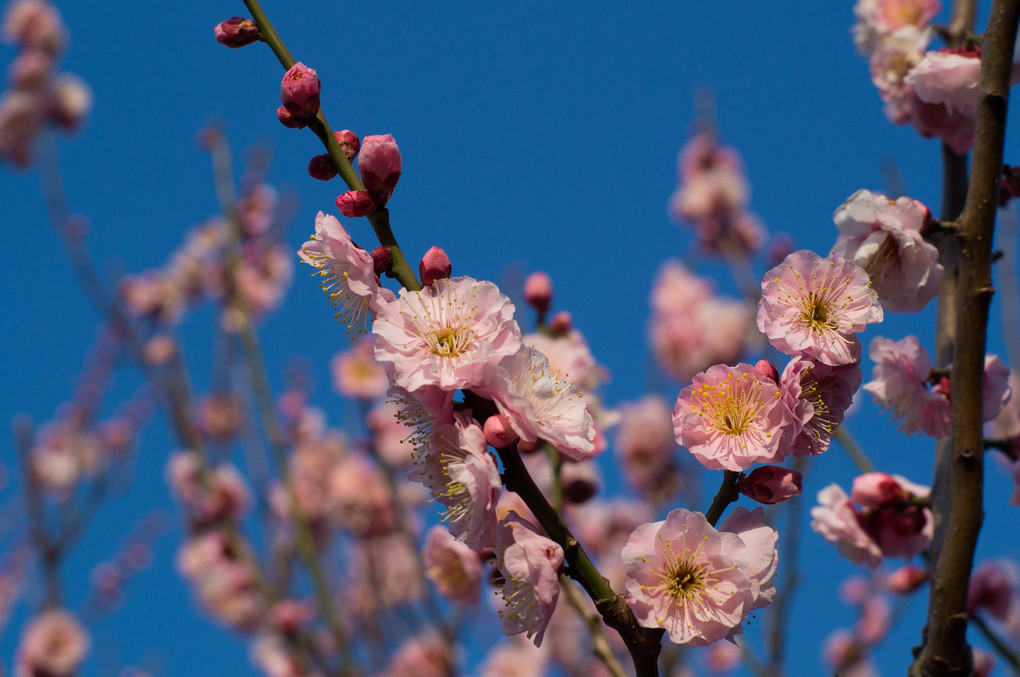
x=883, y=236
x=462, y=476
x=348, y=273
x=380, y=164
x=687, y=578
x=1006, y=423
x=225, y=584
x=515, y=658
x=422, y=656
x=873, y=624
x=70, y=100
x=996, y=391
x=299, y=91
x=360, y=498
x=993, y=588
x=819, y=396
x=34, y=24
x=570, y=356
x=771, y=484
x=722, y=658
x=388, y=565
x=453, y=567
x=948, y=79
x=646, y=446
x=898, y=383
x=713, y=180
x=53, y=644
x=220, y=493
x=733, y=417
x=817, y=306
x=834, y=518
x=421, y=412
x=356, y=372
x=954, y=128
x=498, y=433
x=449, y=334
x=540, y=404
x=877, y=19
x=530, y=566
x=761, y=557
x=349, y=143
x=434, y=265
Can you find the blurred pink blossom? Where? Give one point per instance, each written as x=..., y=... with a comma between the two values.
x=53, y=644
x=357, y=374
x=453, y=567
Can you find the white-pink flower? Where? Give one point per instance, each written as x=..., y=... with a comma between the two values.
x=461, y=474
x=877, y=19
x=357, y=374
x=530, y=566
x=898, y=382
x=453, y=567
x=818, y=395
x=883, y=236
x=817, y=306
x=836, y=520
x=687, y=578
x=347, y=271
x=762, y=558
x=950, y=79
x=889, y=65
x=540, y=404
x=448, y=335
x=733, y=417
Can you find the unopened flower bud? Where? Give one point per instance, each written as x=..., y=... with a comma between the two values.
x=382, y=259
x=289, y=119
x=349, y=141
x=435, y=265
x=561, y=323
x=538, y=291
x=72, y=99
x=380, y=165
x=299, y=91
x=237, y=32
x=321, y=167
x=767, y=369
x=771, y=484
x=498, y=433
x=874, y=490
x=355, y=203
x=911, y=520
x=906, y=579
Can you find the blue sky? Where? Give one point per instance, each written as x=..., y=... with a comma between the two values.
x=534, y=136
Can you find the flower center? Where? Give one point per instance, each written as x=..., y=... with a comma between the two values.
x=450, y=341
x=684, y=579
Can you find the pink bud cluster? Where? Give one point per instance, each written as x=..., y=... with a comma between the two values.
x=299, y=93
x=37, y=95
x=712, y=197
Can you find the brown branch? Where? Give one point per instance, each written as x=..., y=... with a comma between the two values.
x=945, y=652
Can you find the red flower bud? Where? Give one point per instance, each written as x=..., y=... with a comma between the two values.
x=355, y=203
x=435, y=265
x=382, y=259
x=498, y=433
x=349, y=141
x=321, y=167
x=380, y=165
x=299, y=91
x=771, y=484
x=237, y=32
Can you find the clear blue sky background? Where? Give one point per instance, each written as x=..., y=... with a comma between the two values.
x=534, y=136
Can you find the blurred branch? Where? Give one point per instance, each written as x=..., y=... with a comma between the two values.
x=599, y=643
x=945, y=652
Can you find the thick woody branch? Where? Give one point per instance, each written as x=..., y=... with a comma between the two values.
x=946, y=653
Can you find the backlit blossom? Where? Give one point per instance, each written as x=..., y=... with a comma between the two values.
x=422, y=656
x=898, y=383
x=570, y=356
x=462, y=476
x=834, y=518
x=950, y=79
x=733, y=417
x=348, y=274
x=817, y=306
x=357, y=374
x=883, y=236
x=53, y=644
x=447, y=335
x=819, y=395
x=687, y=578
x=540, y=404
x=453, y=567
x=529, y=563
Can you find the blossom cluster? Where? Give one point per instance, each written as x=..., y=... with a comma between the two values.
x=37, y=95
x=935, y=90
